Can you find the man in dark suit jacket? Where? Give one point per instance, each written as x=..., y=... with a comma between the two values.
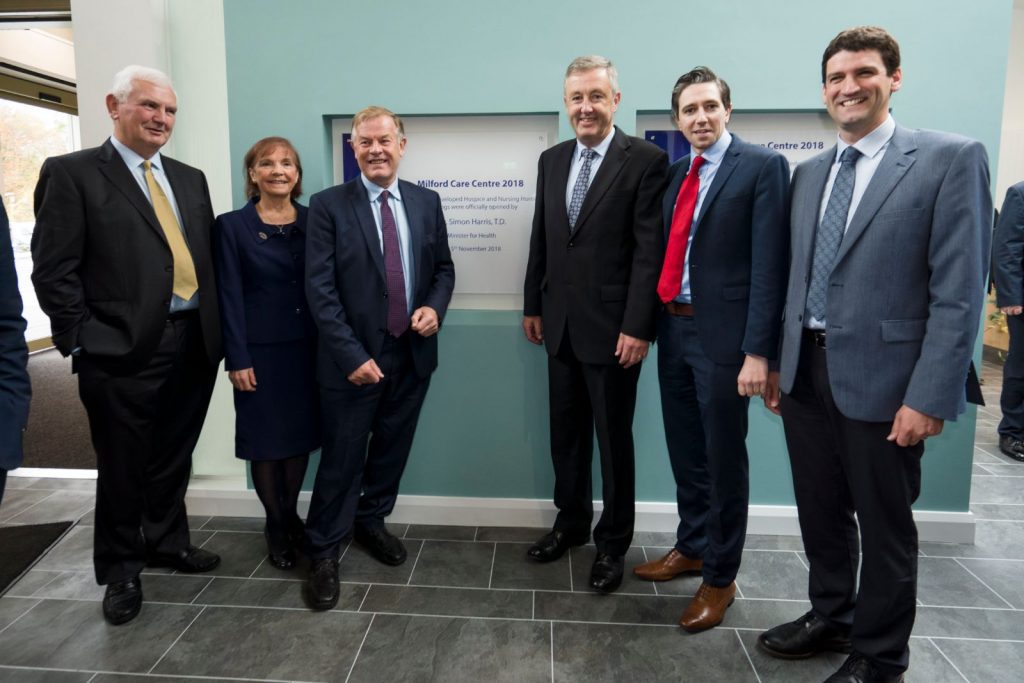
x=722, y=283
x=123, y=268
x=595, y=254
x=15, y=391
x=890, y=243
x=1008, y=267
x=379, y=279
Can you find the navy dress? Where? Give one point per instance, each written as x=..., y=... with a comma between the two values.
x=267, y=326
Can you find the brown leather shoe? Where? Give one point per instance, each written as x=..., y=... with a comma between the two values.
x=668, y=567
x=707, y=609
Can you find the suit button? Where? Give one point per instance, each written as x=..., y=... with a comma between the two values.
x=298, y=310
x=571, y=245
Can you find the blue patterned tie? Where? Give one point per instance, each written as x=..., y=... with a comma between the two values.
x=579, y=190
x=398, y=311
x=830, y=233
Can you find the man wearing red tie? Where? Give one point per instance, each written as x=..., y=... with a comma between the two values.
x=722, y=285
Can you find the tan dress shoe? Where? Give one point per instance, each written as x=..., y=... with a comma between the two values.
x=668, y=567
x=707, y=609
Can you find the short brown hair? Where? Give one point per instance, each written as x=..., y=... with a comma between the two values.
x=864, y=38
x=373, y=112
x=699, y=74
x=261, y=149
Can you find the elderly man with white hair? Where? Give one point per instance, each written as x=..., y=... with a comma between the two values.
x=123, y=269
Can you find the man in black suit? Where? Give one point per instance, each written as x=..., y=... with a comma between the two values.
x=723, y=283
x=15, y=391
x=122, y=266
x=595, y=255
x=379, y=279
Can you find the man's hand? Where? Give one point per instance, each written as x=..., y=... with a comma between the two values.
x=367, y=373
x=772, y=394
x=911, y=427
x=1012, y=310
x=630, y=350
x=753, y=377
x=243, y=380
x=533, y=327
x=424, y=321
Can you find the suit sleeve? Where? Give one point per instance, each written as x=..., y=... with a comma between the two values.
x=15, y=390
x=769, y=235
x=536, y=265
x=639, y=318
x=442, y=282
x=231, y=293
x=1008, y=256
x=336, y=334
x=58, y=242
x=958, y=252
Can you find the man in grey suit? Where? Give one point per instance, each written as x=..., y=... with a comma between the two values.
x=890, y=233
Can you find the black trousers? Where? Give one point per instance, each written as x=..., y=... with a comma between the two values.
x=584, y=398
x=144, y=428
x=1011, y=400
x=368, y=433
x=841, y=467
x=705, y=429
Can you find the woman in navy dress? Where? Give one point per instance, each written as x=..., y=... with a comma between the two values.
x=270, y=338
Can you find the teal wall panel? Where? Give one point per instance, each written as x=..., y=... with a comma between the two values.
x=484, y=431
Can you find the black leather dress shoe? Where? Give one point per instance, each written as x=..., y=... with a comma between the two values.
x=805, y=637
x=859, y=669
x=553, y=545
x=1012, y=447
x=322, y=587
x=122, y=601
x=381, y=543
x=606, y=574
x=189, y=560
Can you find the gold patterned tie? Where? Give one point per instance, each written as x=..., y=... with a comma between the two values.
x=185, y=282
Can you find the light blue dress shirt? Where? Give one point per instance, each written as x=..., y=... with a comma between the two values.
x=401, y=222
x=713, y=156
x=134, y=161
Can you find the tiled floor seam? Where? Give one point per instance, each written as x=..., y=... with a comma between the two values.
x=982, y=582
x=171, y=646
x=747, y=655
x=360, y=649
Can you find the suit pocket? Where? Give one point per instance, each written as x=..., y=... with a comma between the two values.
x=894, y=331
x=613, y=293
x=735, y=292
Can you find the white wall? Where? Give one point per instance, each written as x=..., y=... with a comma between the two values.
x=1011, y=148
x=185, y=39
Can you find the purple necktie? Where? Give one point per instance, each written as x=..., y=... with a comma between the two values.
x=398, y=311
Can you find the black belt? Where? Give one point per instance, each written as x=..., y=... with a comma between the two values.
x=816, y=337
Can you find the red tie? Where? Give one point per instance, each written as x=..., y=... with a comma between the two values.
x=671, y=280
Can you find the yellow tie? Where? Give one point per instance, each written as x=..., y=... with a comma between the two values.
x=185, y=282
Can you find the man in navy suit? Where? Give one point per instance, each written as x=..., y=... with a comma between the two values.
x=722, y=284
x=890, y=235
x=379, y=279
x=1008, y=264
x=15, y=391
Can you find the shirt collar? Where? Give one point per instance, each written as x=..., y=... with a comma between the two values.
x=714, y=153
x=374, y=190
x=872, y=143
x=132, y=158
x=601, y=148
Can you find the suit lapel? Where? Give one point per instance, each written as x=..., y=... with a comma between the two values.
x=559, y=180
x=729, y=163
x=895, y=163
x=181, y=197
x=805, y=213
x=360, y=200
x=611, y=165
x=112, y=166
x=415, y=216
x=668, y=204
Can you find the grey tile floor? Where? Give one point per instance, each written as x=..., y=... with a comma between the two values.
x=467, y=606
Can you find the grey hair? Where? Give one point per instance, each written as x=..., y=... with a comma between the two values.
x=126, y=77
x=591, y=62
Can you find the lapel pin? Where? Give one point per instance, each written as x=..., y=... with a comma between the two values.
x=262, y=235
